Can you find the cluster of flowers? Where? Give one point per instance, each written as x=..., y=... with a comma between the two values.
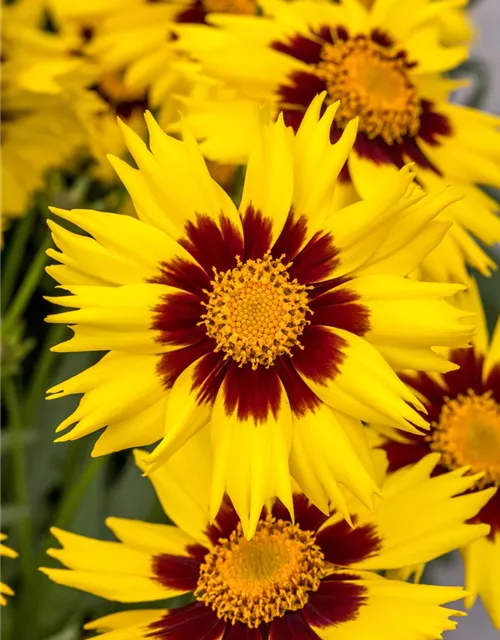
x=311, y=359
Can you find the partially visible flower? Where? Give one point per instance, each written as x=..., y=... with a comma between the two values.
x=464, y=409
x=275, y=325
x=5, y=590
x=310, y=578
x=453, y=23
x=132, y=42
x=38, y=133
x=387, y=67
x=39, y=130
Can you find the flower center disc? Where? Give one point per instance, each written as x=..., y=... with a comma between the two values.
x=255, y=312
x=468, y=433
x=254, y=581
x=248, y=7
x=371, y=82
x=112, y=86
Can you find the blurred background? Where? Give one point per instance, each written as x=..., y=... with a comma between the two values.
x=45, y=485
x=486, y=50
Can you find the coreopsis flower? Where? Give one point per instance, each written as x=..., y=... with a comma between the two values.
x=387, y=67
x=273, y=325
x=5, y=590
x=464, y=409
x=313, y=577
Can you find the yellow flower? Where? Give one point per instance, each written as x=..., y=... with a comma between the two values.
x=386, y=66
x=137, y=40
x=39, y=129
x=39, y=132
x=313, y=577
x=5, y=590
x=453, y=22
x=464, y=409
x=273, y=325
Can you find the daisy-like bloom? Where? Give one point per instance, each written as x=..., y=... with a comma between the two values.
x=274, y=325
x=5, y=590
x=464, y=407
x=313, y=577
x=386, y=65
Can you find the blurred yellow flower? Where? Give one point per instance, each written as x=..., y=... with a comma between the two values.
x=39, y=132
x=39, y=129
x=386, y=66
x=5, y=590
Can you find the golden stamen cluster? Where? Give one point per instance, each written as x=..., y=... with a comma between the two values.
x=468, y=434
x=255, y=312
x=254, y=581
x=247, y=7
x=372, y=83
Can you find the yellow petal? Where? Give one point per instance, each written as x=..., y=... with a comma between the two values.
x=111, y=570
x=391, y=606
x=421, y=517
x=119, y=387
x=366, y=387
x=482, y=568
x=250, y=460
x=134, y=620
x=150, y=538
x=270, y=164
x=183, y=484
x=185, y=415
x=324, y=456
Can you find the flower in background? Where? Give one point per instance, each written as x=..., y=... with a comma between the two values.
x=453, y=22
x=131, y=42
x=464, y=409
x=387, y=67
x=39, y=130
x=5, y=590
x=313, y=577
x=276, y=326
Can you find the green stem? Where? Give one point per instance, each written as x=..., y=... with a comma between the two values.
x=33, y=595
x=38, y=380
x=74, y=495
x=28, y=286
x=74, y=492
x=15, y=253
x=14, y=417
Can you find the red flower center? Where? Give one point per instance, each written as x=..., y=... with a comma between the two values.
x=254, y=581
x=468, y=434
x=255, y=312
x=371, y=81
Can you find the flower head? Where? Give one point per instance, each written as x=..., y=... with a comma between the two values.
x=464, y=409
x=5, y=590
x=306, y=578
x=386, y=66
x=274, y=325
